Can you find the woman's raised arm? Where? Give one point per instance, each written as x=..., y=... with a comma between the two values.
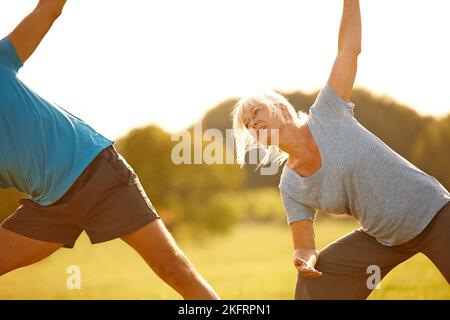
x=344, y=69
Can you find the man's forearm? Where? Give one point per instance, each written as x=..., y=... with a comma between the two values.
x=54, y=6
x=30, y=32
x=350, y=28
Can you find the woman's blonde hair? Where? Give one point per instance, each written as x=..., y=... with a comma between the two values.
x=243, y=139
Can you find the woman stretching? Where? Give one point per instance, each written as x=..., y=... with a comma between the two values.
x=336, y=165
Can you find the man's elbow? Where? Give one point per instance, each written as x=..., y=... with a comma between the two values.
x=354, y=50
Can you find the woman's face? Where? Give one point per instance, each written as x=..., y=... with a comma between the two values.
x=261, y=124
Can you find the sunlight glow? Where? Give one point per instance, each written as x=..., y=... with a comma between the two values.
x=123, y=64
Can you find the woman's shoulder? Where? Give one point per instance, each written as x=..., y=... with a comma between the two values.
x=329, y=104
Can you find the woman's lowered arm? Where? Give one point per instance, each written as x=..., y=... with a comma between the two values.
x=305, y=253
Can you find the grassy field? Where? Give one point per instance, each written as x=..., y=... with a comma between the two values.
x=253, y=262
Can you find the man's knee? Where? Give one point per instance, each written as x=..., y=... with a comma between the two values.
x=7, y=265
x=19, y=261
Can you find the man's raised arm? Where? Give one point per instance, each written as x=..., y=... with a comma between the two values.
x=29, y=33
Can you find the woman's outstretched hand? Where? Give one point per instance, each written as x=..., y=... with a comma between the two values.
x=304, y=260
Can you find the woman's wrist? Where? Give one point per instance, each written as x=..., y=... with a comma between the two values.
x=309, y=255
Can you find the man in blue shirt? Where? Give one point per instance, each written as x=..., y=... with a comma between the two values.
x=74, y=176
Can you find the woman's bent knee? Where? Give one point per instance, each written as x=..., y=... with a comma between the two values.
x=332, y=287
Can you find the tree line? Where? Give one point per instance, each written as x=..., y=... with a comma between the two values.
x=199, y=199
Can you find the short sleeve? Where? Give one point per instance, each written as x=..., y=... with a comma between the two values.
x=295, y=211
x=329, y=104
x=8, y=55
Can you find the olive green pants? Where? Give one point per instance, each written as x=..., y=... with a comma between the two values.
x=351, y=263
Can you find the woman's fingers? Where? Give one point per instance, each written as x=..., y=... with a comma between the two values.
x=309, y=273
x=306, y=270
x=300, y=262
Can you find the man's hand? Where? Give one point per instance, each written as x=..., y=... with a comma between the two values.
x=304, y=260
x=55, y=5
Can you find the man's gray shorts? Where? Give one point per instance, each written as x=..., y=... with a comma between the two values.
x=107, y=201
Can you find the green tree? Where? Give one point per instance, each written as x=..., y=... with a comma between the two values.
x=432, y=150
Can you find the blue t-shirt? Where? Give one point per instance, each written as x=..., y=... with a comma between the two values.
x=43, y=148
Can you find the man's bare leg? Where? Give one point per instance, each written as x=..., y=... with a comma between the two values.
x=18, y=251
x=157, y=247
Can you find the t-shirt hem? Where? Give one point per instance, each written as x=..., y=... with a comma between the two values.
x=422, y=227
x=76, y=174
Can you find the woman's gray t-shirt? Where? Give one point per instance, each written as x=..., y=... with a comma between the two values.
x=361, y=176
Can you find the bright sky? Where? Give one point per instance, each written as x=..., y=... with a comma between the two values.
x=122, y=64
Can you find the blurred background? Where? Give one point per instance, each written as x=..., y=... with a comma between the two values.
x=140, y=71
